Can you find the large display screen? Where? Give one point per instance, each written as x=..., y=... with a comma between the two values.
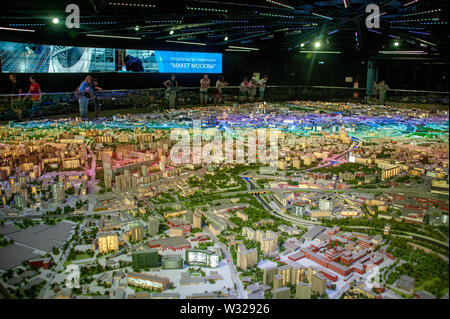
x=39, y=58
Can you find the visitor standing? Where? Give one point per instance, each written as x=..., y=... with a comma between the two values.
x=262, y=86
x=35, y=91
x=375, y=91
x=219, y=85
x=252, y=90
x=382, y=92
x=85, y=93
x=16, y=90
x=204, y=85
x=243, y=90
x=97, y=103
x=171, y=90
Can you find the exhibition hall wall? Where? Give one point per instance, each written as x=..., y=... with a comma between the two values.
x=61, y=68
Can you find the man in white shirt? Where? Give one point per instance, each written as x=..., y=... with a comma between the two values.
x=204, y=85
x=262, y=86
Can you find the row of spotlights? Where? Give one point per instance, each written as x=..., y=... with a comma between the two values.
x=316, y=44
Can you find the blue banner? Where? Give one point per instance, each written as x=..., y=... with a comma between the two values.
x=188, y=62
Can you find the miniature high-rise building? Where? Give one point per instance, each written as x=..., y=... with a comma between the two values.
x=277, y=281
x=136, y=233
x=303, y=291
x=145, y=258
x=285, y=272
x=318, y=283
x=197, y=219
x=282, y=293
x=246, y=258
x=298, y=274
x=268, y=274
x=58, y=193
x=153, y=226
x=108, y=241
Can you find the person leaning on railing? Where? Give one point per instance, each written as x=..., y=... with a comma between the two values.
x=262, y=86
x=96, y=100
x=252, y=90
x=84, y=93
x=243, y=90
x=35, y=93
x=16, y=90
x=204, y=85
x=171, y=90
x=382, y=92
x=218, y=93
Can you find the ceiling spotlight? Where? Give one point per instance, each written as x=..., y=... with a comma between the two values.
x=396, y=44
x=302, y=45
x=226, y=38
x=171, y=32
x=317, y=44
x=55, y=20
x=136, y=28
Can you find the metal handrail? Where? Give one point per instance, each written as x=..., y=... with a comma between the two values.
x=229, y=87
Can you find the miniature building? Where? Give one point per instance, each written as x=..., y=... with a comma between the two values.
x=145, y=258
x=172, y=262
x=147, y=281
x=303, y=291
x=282, y=293
x=107, y=241
x=247, y=258
x=318, y=284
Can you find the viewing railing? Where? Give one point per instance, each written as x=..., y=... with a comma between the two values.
x=157, y=99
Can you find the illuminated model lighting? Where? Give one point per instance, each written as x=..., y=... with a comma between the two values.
x=207, y=9
x=423, y=12
x=111, y=36
x=185, y=42
x=163, y=21
x=27, y=24
x=237, y=50
x=244, y=48
x=131, y=4
x=417, y=32
x=374, y=31
x=96, y=23
x=275, y=15
x=280, y=4
x=322, y=52
x=321, y=16
x=14, y=29
x=402, y=52
x=409, y=3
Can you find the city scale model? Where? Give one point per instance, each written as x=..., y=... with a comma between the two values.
x=301, y=200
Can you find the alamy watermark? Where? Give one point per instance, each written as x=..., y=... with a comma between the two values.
x=212, y=145
x=73, y=19
x=73, y=277
x=373, y=279
x=373, y=19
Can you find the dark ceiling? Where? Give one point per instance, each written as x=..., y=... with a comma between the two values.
x=281, y=25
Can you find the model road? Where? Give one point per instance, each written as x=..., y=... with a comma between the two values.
x=234, y=274
x=60, y=264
